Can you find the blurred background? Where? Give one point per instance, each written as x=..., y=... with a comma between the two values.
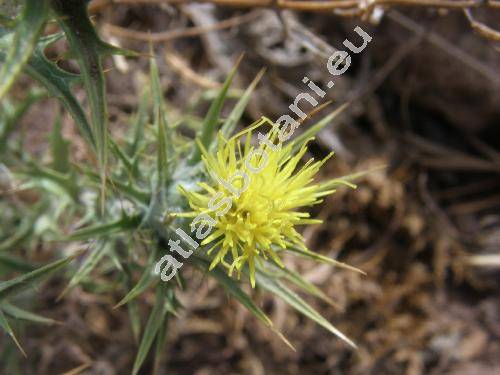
x=424, y=101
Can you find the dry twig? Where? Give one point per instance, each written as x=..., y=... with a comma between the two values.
x=317, y=6
x=481, y=28
x=178, y=33
x=177, y=64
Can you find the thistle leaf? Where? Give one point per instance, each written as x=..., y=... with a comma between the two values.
x=120, y=155
x=58, y=83
x=59, y=148
x=122, y=225
x=65, y=181
x=19, y=313
x=4, y=323
x=22, y=282
x=299, y=281
x=89, y=50
x=235, y=115
x=162, y=166
x=23, y=231
x=316, y=128
x=348, y=180
x=128, y=190
x=92, y=260
x=155, y=321
x=323, y=259
x=231, y=286
x=135, y=319
x=139, y=123
x=23, y=42
x=161, y=339
x=211, y=121
x=144, y=282
x=275, y=287
x=164, y=144
x=9, y=263
x=11, y=114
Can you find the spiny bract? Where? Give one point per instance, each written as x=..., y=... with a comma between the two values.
x=259, y=221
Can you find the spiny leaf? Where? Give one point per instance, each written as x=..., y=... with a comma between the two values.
x=212, y=118
x=138, y=125
x=59, y=148
x=231, y=286
x=23, y=231
x=155, y=321
x=27, y=32
x=162, y=166
x=347, y=180
x=164, y=147
x=12, y=114
x=64, y=181
x=323, y=259
x=132, y=307
x=299, y=281
x=120, y=155
x=135, y=319
x=128, y=190
x=9, y=263
x=58, y=83
x=88, y=49
x=4, y=323
x=19, y=313
x=22, y=282
x=235, y=115
x=131, y=191
x=124, y=224
x=144, y=282
x=161, y=339
x=316, y=128
x=92, y=260
x=277, y=288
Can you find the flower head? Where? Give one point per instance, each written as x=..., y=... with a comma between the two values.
x=255, y=195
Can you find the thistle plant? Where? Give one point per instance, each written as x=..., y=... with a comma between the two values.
x=123, y=212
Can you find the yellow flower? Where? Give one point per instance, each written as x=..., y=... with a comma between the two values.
x=254, y=194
